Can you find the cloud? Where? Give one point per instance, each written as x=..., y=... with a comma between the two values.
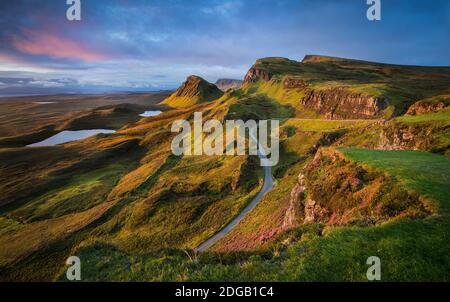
x=46, y=44
x=46, y=84
x=223, y=8
x=127, y=44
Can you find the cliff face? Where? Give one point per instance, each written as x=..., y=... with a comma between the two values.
x=334, y=103
x=424, y=137
x=255, y=73
x=294, y=210
x=225, y=84
x=349, y=96
x=423, y=107
x=338, y=103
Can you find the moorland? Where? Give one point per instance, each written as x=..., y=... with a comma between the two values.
x=363, y=171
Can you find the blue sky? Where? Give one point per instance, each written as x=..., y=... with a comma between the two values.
x=151, y=45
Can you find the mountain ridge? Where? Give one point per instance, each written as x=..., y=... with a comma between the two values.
x=193, y=91
x=225, y=84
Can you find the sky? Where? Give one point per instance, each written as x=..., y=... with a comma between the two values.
x=136, y=45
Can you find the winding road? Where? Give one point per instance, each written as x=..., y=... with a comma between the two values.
x=267, y=186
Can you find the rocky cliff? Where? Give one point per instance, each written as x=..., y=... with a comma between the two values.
x=430, y=105
x=422, y=136
x=256, y=73
x=339, y=103
x=340, y=88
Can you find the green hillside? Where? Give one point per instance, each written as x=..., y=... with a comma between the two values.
x=363, y=171
x=410, y=249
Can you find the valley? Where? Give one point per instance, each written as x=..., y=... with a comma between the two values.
x=363, y=171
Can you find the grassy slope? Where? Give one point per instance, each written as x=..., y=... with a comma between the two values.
x=423, y=172
x=151, y=200
x=161, y=202
x=194, y=91
x=440, y=116
x=410, y=250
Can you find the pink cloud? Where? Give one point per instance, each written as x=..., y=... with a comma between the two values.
x=39, y=43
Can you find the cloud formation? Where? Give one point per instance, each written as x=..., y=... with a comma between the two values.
x=155, y=44
x=45, y=44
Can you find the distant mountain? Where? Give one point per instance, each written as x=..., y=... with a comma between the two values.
x=193, y=91
x=225, y=84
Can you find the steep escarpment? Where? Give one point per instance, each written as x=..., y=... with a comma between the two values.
x=266, y=68
x=338, y=88
x=255, y=74
x=193, y=91
x=339, y=103
x=336, y=191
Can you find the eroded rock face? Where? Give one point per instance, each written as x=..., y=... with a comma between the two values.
x=291, y=215
x=314, y=212
x=292, y=83
x=404, y=137
x=397, y=139
x=416, y=136
x=255, y=73
x=419, y=108
x=339, y=103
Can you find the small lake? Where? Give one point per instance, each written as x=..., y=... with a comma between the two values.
x=150, y=113
x=44, y=103
x=69, y=136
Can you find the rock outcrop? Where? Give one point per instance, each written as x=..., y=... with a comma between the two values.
x=314, y=212
x=293, y=83
x=194, y=90
x=225, y=84
x=339, y=103
x=318, y=58
x=196, y=86
x=423, y=107
x=292, y=214
x=336, y=191
x=256, y=73
x=424, y=136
